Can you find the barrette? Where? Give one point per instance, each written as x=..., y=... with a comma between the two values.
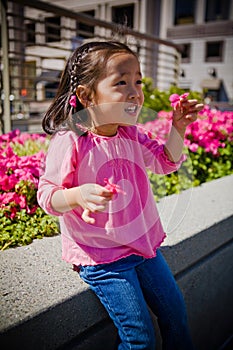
x=73, y=101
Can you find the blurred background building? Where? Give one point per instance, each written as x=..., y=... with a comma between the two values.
x=184, y=43
x=203, y=27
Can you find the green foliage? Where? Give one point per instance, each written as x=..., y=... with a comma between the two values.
x=27, y=189
x=174, y=183
x=30, y=147
x=207, y=167
x=200, y=167
x=25, y=227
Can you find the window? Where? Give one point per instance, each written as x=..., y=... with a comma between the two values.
x=52, y=29
x=185, y=54
x=212, y=95
x=51, y=90
x=85, y=30
x=123, y=15
x=217, y=10
x=214, y=51
x=184, y=11
x=30, y=33
x=28, y=80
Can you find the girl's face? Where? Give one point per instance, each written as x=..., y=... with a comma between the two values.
x=118, y=96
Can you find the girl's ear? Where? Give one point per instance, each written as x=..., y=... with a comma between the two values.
x=83, y=95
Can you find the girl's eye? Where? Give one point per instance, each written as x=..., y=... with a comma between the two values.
x=139, y=82
x=122, y=82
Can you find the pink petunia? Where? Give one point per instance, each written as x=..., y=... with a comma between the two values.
x=210, y=131
x=113, y=187
x=32, y=210
x=13, y=212
x=8, y=182
x=21, y=201
x=193, y=147
x=175, y=99
x=7, y=197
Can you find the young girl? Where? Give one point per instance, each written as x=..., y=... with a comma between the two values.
x=96, y=182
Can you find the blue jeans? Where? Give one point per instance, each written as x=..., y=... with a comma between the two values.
x=127, y=287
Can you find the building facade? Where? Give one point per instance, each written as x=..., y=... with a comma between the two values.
x=42, y=35
x=205, y=29
x=139, y=15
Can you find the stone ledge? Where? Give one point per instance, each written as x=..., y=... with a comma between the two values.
x=45, y=305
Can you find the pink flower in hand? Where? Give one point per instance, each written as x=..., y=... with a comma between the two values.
x=113, y=187
x=175, y=99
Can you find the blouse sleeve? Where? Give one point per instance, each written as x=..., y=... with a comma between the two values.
x=155, y=157
x=61, y=162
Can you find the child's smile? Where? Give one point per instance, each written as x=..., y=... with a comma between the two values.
x=132, y=109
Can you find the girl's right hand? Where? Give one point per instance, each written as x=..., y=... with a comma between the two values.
x=92, y=198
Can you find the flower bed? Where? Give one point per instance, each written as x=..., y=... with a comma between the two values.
x=209, y=151
x=21, y=219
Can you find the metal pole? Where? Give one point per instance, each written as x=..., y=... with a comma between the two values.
x=6, y=71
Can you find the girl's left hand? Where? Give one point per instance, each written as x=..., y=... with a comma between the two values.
x=185, y=112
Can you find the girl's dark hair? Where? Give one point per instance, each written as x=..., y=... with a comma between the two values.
x=85, y=66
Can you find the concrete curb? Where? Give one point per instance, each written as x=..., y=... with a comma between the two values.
x=45, y=305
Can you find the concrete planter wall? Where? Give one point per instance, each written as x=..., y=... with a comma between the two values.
x=44, y=304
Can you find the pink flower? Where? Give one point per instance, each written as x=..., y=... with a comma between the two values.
x=9, y=136
x=7, y=197
x=32, y=210
x=13, y=212
x=12, y=197
x=175, y=99
x=210, y=131
x=193, y=147
x=8, y=182
x=113, y=187
x=21, y=201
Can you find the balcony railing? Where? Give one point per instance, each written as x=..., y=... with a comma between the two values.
x=37, y=39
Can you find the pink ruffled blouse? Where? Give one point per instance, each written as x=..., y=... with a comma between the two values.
x=130, y=224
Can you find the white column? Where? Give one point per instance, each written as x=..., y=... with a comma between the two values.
x=167, y=17
x=6, y=71
x=101, y=14
x=142, y=16
x=200, y=12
